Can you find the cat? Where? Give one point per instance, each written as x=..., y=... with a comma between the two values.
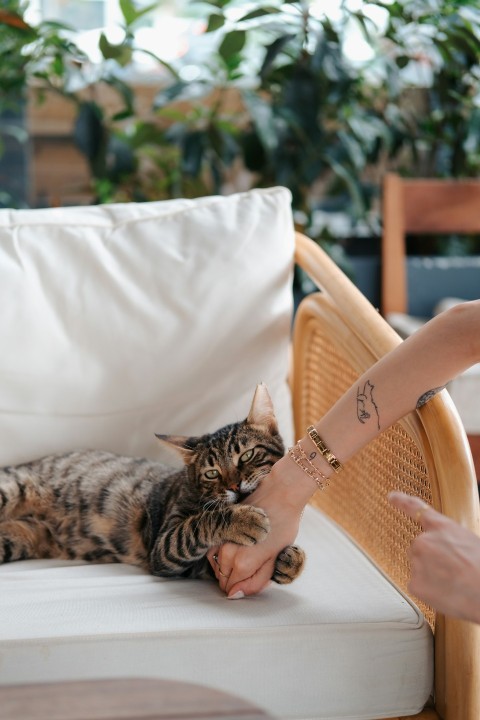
x=97, y=506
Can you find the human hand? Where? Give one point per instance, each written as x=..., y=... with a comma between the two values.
x=445, y=560
x=247, y=570
x=242, y=570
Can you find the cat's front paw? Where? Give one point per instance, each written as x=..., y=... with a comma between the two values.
x=248, y=525
x=288, y=565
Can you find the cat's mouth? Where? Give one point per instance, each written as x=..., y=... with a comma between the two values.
x=236, y=496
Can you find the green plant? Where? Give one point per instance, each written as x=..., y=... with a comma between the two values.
x=272, y=88
x=28, y=52
x=308, y=114
x=442, y=41
x=319, y=122
x=45, y=58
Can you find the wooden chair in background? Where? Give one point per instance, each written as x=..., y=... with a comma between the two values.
x=428, y=207
x=423, y=207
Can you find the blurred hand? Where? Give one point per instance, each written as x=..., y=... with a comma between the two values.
x=445, y=560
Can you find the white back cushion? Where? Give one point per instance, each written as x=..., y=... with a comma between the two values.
x=120, y=321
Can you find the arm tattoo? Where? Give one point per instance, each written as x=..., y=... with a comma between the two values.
x=427, y=396
x=367, y=408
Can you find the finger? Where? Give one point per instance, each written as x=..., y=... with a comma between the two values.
x=416, y=509
x=246, y=567
x=215, y=563
x=252, y=585
x=224, y=563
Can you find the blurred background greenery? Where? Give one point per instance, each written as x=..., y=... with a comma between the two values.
x=320, y=97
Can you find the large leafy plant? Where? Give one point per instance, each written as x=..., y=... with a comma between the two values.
x=315, y=120
x=309, y=119
x=26, y=53
x=270, y=88
x=440, y=43
x=45, y=58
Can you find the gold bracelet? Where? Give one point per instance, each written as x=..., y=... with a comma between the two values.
x=327, y=454
x=299, y=456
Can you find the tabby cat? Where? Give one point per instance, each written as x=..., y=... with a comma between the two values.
x=97, y=506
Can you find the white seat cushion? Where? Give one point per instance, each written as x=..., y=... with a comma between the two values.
x=120, y=321
x=340, y=642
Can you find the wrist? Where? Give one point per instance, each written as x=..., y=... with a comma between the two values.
x=292, y=483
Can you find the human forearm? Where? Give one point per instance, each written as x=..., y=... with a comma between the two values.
x=403, y=380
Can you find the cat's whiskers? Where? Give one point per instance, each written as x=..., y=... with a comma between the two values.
x=255, y=480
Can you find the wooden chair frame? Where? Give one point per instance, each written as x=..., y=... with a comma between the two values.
x=420, y=206
x=337, y=336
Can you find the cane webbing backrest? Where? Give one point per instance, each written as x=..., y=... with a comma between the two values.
x=357, y=497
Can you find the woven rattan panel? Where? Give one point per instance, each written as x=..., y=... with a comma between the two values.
x=357, y=497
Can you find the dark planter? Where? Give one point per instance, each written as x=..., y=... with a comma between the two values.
x=14, y=155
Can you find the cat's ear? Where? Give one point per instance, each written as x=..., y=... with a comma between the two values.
x=177, y=446
x=261, y=411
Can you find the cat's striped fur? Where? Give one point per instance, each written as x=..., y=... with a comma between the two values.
x=101, y=507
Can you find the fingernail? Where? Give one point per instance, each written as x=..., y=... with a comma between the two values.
x=238, y=595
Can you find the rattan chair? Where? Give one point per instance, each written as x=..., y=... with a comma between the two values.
x=337, y=336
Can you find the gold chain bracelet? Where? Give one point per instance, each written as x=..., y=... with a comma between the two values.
x=299, y=456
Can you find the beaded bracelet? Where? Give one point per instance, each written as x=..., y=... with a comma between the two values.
x=327, y=454
x=299, y=456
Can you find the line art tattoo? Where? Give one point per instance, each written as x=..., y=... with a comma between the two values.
x=428, y=396
x=367, y=408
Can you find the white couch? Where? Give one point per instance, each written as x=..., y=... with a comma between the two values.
x=121, y=321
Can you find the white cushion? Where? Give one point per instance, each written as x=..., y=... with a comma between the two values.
x=340, y=642
x=120, y=321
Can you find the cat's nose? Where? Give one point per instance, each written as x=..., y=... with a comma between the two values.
x=234, y=486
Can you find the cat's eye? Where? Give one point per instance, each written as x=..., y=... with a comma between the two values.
x=247, y=455
x=211, y=474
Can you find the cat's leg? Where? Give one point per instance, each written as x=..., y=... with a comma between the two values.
x=20, y=491
x=25, y=538
x=288, y=565
x=182, y=548
x=12, y=492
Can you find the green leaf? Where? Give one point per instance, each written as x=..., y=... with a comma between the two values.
x=402, y=61
x=272, y=51
x=262, y=117
x=351, y=182
x=181, y=91
x=131, y=13
x=122, y=115
x=122, y=53
x=260, y=12
x=354, y=150
x=128, y=11
x=215, y=22
x=193, y=150
x=58, y=66
x=232, y=44
x=164, y=63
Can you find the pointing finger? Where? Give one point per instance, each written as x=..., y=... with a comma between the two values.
x=416, y=509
